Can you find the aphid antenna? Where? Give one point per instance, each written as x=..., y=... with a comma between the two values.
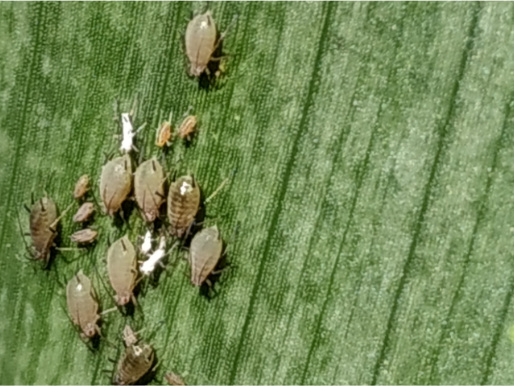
x=189, y=110
x=23, y=234
x=222, y=36
x=218, y=189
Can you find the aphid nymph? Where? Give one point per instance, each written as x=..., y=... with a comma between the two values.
x=84, y=236
x=122, y=270
x=204, y=254
x=84, y=213
x=81, y=187
x=163, y=135
x=187, y=128
x=115, y=183
x=149, y=188
x=183, y=204
x=174, y=379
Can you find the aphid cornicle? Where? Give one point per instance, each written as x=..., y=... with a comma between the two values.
x=84, y=213
x=204, y=254
x=122, y=270
x=82, y=305
x=81, y=187
x=187, y=127
x=115, y=183
x=183, y=204
x=137, y=360
x=84, y=236
x=149, y=188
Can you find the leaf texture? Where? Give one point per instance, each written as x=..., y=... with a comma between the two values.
x=369, y=219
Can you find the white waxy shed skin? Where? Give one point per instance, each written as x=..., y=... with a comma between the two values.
x=200, y=42
x=148, y=266
x=204, y=254
x=82, y=305
x=122, y=269
x=115, y=183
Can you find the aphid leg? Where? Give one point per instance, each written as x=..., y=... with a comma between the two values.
x=54, y=224
x=26, y=208
x=222, y=36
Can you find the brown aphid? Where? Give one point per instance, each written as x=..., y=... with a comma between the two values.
x=84, y=213
x=116, y=183
x=149, y=188
x=122, y=270
x=137, y=360
x=174, y=379
x=163, y=135
x=84, y=236
x=43, y=228
x=81, y=187
x=82, y=305
x=183, y=204
x=204, y=254
x=187, y=128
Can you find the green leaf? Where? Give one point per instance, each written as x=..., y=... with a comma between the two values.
x=369, y=222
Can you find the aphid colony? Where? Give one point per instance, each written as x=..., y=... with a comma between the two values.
x=126, y=264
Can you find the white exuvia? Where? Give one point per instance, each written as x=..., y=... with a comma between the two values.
x=155, y=258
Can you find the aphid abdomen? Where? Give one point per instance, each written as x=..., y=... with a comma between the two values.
x=135, y=363
x=149, y=188
x=42, y=218
x=183, y=204
x=200, y=42
x=205, y=252
x=122, y=269
x=82, y=305
x=115, y=183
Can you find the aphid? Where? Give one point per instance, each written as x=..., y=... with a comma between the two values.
x=115, y=183
x=163, y=135
x=174, y=379
x=204, y=254
x=82, y=305
x=146, y=246
x=136, y=361
x=84, y=213
x=127, y=142
x=148, y=266
x=84, y=236
x=122, y=270
x=81, y=187
x=43, y=228
x=183, y=203
x=187, y=127
x=129, y=336
x=149, y=188
x=201, y=42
